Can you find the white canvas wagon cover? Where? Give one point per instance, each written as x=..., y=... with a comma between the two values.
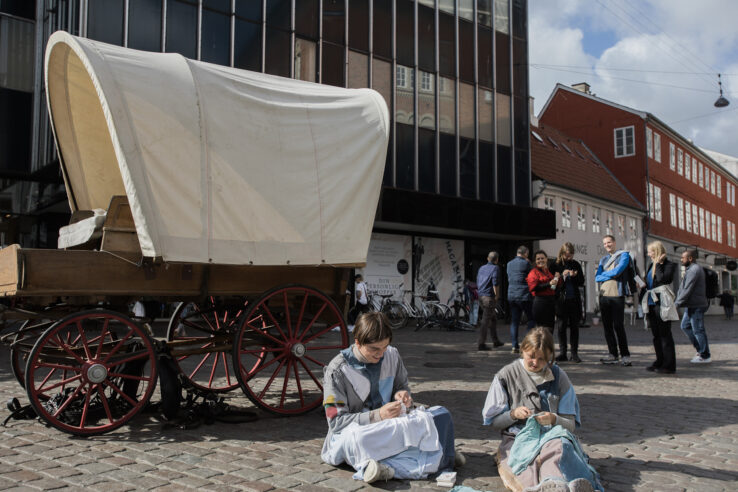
x=219, y=164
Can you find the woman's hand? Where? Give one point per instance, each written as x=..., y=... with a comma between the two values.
x=391, y=410
x=521, y=413
x=546, y=418
x=661, y=258
x=404, y=397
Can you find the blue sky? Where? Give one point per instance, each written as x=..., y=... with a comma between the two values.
x=660, y=56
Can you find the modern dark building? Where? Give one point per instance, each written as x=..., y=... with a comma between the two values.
x=454, y=74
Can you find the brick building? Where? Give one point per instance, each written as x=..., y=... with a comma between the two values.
x=690, y=197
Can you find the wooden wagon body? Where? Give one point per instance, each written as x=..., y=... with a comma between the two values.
x=244, y=197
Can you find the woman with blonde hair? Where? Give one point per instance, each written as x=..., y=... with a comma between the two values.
x=659, y=273
x=569, y=302
x=532, y=402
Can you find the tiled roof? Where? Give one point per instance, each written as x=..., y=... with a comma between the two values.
x=577, y=169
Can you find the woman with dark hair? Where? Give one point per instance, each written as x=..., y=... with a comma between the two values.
x=373, y=424
x=568, y=302
x=542, y=284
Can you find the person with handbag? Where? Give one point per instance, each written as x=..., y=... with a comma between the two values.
x=660, y=273
x=542, y=284
x=568, y=301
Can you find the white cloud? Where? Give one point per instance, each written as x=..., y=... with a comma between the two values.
x=700, y=37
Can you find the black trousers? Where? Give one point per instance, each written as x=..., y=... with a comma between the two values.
x=544, y=311
x=663, y=342
x=613, y=322
x=569, y=318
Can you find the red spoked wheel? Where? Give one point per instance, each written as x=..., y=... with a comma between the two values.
x=91, y=372
x=300, y=330
x=210, y=326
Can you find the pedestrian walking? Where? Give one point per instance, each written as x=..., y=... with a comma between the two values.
x=659, y=276
x=542, y=284
x=692, y=295
x=727, y=301
x=568, y=302
x=488, y=286
x=519, y=299
x=612, y=288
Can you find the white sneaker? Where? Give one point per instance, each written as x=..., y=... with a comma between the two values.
x=697, y=359
x=610, y=359
x=625, y=361
x=377, y=471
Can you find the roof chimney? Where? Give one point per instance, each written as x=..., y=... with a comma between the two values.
x=582, y=87
x=531, y=112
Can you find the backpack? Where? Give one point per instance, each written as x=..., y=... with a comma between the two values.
x=711, y=283
x=629, y=275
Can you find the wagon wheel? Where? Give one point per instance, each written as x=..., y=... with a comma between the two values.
x=91, y=372
x=23, y=342
x=302, y=329
x=208, y=322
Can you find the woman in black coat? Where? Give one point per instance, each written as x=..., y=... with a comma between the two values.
x=568, y=303
x=661, y=271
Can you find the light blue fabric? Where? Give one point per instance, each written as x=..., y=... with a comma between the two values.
x=408, y=465
x=464, y=488
x=529, y=441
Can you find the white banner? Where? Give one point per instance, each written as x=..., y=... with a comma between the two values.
x=388, y=264
x=440, y=261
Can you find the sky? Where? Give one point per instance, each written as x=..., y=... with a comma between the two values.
x=659, y=56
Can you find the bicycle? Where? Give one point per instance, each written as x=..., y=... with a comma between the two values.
x=392, y=309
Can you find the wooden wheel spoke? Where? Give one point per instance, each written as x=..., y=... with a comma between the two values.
x=271, y=380
x=319, y=334
x=118, y=346
x=286, y=382
x=325, y=347
x=103, y=334
x=313, y=360
x=199, y=366
x=271, y=317
x=262, y=349
x=225, y=366
x=140, y=354
x=263, y=332
x=302, y=313
x=128, y=376
x=198, y=327
x=299, y=386
x=105, y=404
x=82, y=337
x=262, y=367
x=312, y=321
x=310, y=373
x=118, y=390
x=287, y=313
x=63, y=382
x=69, y=400
x=85, y=408
x=59, y=366
x=66, y=349
x=213, y=369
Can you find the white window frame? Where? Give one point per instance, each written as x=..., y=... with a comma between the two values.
x=688, y=215
x=566, y=213
x=549, y=203
x=680, y=162
x=702, y=222
x=595, y=220
x=694, y=171
x=720, y=229
x=633, y=226
x=621, y=225
x=680, y=212
x=628, y=133
x=657, y=146
x=651, y=206
x=712, y=182
x=672, y=210
x=701, y=175
x=581, y=217
x=649, y=142
x=657, y=202
x=672, y=156
x=608, y=223
x=719, y=186
x=713, y=223
x=687, y=166
x=426, y=81
x=695, y=220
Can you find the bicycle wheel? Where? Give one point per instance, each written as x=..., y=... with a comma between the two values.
x=396, y=314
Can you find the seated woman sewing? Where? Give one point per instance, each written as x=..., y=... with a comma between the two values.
x=372, y=423
x=533, y=404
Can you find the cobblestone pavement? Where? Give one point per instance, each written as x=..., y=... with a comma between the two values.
x=642, y=431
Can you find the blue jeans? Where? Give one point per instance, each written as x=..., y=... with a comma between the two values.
x=474, y=312
x=516, y=310
x=693, y=325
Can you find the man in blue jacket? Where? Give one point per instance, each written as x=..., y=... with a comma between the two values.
x=518, y=295
x=692, y=295
x=612, y=287
x=488, y=286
